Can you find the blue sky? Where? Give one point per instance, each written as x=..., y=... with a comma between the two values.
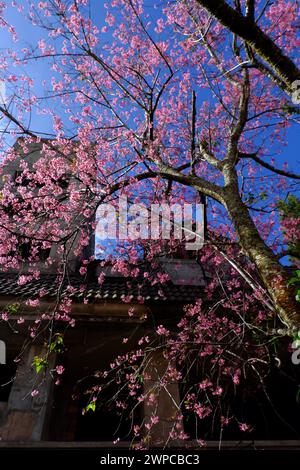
x=39, y=71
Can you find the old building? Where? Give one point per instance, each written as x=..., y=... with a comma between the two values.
x=91, y=344
x=53, y=417
x=102, y=321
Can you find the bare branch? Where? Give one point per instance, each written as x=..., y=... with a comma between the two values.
x=285, y=69
x=258, y=160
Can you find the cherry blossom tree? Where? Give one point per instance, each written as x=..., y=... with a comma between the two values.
x=176, y=101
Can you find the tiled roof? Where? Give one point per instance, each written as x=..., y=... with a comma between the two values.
x=112, y=289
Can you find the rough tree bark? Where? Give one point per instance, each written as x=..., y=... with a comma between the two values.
x=274, y=276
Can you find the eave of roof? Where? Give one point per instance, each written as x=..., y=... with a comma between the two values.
x=112, y=289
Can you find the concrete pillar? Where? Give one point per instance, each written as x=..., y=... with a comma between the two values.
x=165, y=405
x=2, y=352
x=26, y=414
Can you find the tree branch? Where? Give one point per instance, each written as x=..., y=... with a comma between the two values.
x=200, y=184
x=260, y=42
x=209, y=157
x=258, y=160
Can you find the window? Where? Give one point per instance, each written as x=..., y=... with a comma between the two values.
x=274, y=411
x=63, y=181
x=20, y=179
x=25, y=249
x=7, y=374
x=91, y=349
x=183, y=272
x=106, y=423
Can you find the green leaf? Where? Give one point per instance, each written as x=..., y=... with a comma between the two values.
x=291, y=109
x=91, y=406
x=140, y=379
x=12, y=308
x=295, y=281
x=296, y=336
x=263, y=196
x=39, y=364
x=57, y=344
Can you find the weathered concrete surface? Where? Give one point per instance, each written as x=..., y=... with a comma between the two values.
x=25, y=415
x=167, y=401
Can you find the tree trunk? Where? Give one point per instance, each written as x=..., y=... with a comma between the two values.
x=275, y=277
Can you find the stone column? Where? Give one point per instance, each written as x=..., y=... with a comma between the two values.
x=2, y=352
x=166, y=402
x=26, y=414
